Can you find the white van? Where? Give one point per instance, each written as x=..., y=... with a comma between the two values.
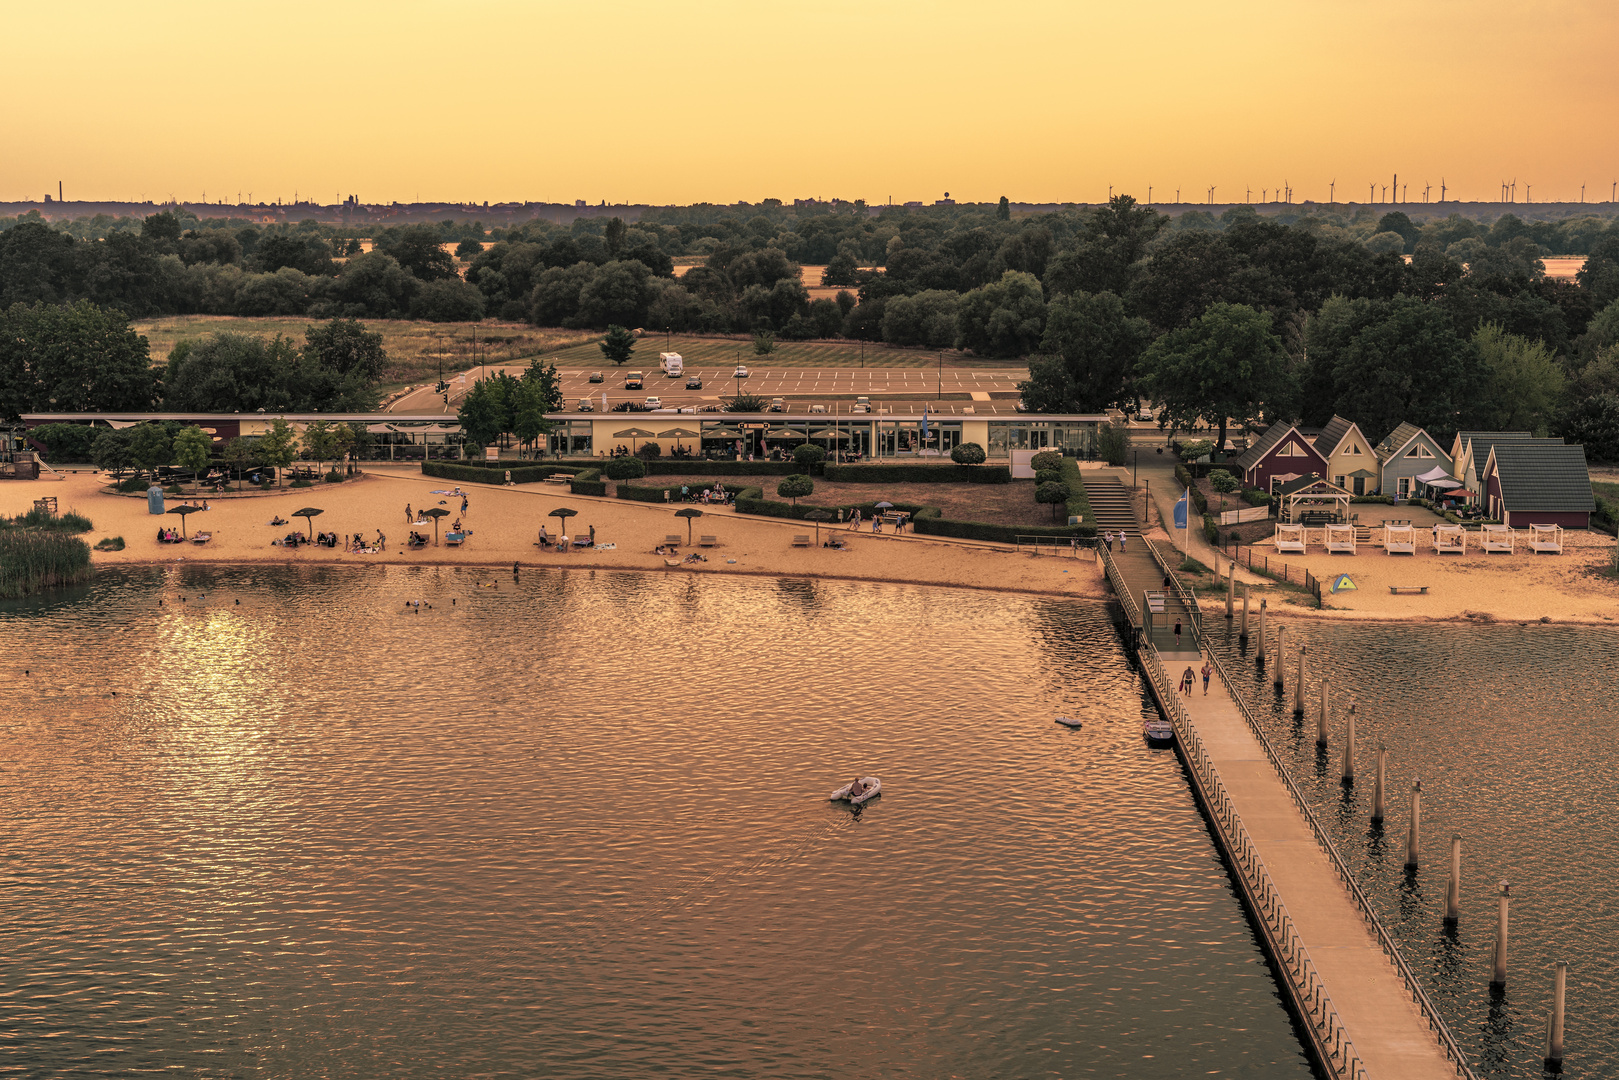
x=862, y=404
x=673, y=365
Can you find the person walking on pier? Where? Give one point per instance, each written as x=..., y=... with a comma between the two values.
x=1177, y=633
x=1186, y=681
x=1208, y=670
x=1107, y=538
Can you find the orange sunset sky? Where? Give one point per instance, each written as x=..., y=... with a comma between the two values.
x=713, y=100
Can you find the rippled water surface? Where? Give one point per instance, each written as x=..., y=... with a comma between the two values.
x=578, y=827
x=1512, y=730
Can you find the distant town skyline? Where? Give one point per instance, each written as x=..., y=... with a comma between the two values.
x=634, y=102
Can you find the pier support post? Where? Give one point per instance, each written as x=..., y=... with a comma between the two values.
x=1298, y=689
x=1349, y=735
x=1321, y=717
x=1279, y=655
x=1554, y=1021
x=1498, y=976
x=1413, y=836
x=1377, y=785
x=1262, y=633
x=1243, y=632
x=1230, y=587
x=1453, y=891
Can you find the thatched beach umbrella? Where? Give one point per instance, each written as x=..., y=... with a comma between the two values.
x=434, y=512
x=562, y=514
x=311, y=513
x=818, y=516
x=183, y=511
x=688, y=513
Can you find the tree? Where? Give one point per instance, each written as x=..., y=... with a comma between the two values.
x=841, y=269
x=1593, y=422
x=1523, y=382
x=192, y=447
x=72, y=358
x=278, y=447
x=482, y=413
x=346, y=347
x=967, y=453
x=1046, y=459
x=447, y=300
x=1054, y=492
x=1227, y=363
x=746, y=403
x=619, y=345
x=795, y=487
x=927, y=318
x=613, y=236
x=150, y=446
x=1004, y=318
x=624, y=468
x=468, y=250
x=528, y=406
x=808, y=454
x=1003, y=212
x=420, y=250
x=1113, y=442
x=111, y=452
x=320, y=443
x=1401, y=360
x=764, y=343
x=1223, y=482
x=240, y=455
x=1088, y=353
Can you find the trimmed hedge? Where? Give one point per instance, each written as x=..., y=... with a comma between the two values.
x=1079, y=501
x=1200, y=500
x=588, y=482
x=700, y=467
x=925, y=520
x=640, y=493
x=915, y=473
x=1386, y=500
x=475, y=474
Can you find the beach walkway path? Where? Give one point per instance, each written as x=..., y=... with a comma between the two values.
x=1367, y=1016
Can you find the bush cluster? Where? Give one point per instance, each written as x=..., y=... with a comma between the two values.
x=916, y=473
x=479, y=474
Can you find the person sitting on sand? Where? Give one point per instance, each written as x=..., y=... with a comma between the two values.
x=856, y=789
x=457, y=526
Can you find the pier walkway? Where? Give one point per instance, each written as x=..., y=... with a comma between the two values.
x=1364, y=1010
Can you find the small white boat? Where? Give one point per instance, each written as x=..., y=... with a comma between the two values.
x=1158, y=731
x=873, y=787
x=1069, y=721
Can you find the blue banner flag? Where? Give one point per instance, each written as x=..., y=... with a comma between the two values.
x=1180, y=510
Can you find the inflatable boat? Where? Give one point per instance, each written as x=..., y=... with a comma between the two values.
x=1069, y=721
x=873, y=785
x=1157, y=731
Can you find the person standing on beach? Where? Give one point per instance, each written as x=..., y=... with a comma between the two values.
x=463, y=504
x=409, y=517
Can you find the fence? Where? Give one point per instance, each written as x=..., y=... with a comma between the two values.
x=1132, y=610
x=1281, y=571
x=1250, y=513
x=1057, y=545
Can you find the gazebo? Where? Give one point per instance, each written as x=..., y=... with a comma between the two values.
x=1546, y=538
x=1497, y=538
x=1290, y=538
x=1449, y=540
x=1310, y=500
x=1340, y=539
x=1438, y=479
x=1399, y=540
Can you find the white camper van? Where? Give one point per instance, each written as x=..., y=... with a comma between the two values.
x=673, y=365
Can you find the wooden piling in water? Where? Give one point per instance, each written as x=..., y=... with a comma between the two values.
x=1321, y=717
x=1554, y=1021
x=1230, y=587
x=1413, y=835
x=1349, y=735
x=1262, y=633
x=1498, y=976
x=1243, y=632
x=1298, y=689
x=1377, y=786
x=1279, y=655
x=1453, y=891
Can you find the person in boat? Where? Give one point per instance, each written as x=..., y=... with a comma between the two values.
x=856, y=789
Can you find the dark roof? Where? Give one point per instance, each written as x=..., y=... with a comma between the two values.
x=1311, y=480
x=1332, y=434
x=1265, y=444
x=1482, y=442
x=1397, y=439
x=1545, y=476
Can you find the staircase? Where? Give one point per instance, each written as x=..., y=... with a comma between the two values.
x=1111, y=503
x=1115, y=513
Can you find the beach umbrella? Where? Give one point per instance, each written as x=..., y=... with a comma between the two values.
x=634, y=433
x=688, y=513
x=677, y=433
x=818, y=516
x=884, y=505
x=184, y=510
x=828, y=433
x=434, y=512
x=562, y=514
x=311, y=513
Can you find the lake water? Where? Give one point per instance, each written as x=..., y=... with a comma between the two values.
x=579, y=828
x=1512, y=731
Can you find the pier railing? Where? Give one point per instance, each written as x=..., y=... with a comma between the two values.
x=1188, y=601
x=1132, y=610
x=1308, y=990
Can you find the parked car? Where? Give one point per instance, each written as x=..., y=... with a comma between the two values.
x=741, y=372
x=654, y=403
x=1145, y=414
x=596, y=376
x=694, y=382
x=585, y=405
x=862, y=404
x=633, y=380
x=777, y=405
x=817, y=408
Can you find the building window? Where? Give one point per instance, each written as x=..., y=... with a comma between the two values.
x=1405, y=487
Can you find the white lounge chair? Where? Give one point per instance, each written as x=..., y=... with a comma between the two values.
x=1291, y=539
x=1546, y=538
x=1498, y=539
x=1340, y=539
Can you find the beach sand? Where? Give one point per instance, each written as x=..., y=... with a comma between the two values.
x=505, y=522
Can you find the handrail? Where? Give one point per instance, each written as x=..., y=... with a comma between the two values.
x=1430, y=1013
x=1310, y=992
x=1188, y=601
x=1131, y=610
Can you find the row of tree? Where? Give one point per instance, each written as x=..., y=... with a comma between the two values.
x=508, y=405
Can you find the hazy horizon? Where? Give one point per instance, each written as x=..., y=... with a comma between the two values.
x=634, y=102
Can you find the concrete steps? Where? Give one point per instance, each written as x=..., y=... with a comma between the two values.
x=1112, y=505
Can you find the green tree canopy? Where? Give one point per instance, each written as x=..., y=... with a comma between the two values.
x=967, y=453
x=1227, y=364
x=619, y=344
x=346, y=347
x=1087, y=355
x=1004, y=318
x=192, y=447
x=151, y=446
x=278, y=447
x=482, y=413
x=1523, y=382
x=72, y=358
x=795, y=487
x=1054, y=492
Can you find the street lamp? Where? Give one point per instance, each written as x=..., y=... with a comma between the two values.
x=1135, y=458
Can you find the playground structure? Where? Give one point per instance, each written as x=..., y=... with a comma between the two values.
x=1546, y=538
x=1400, y=539
x=1449, y=540
x=1290, y=539
x=1340, y=539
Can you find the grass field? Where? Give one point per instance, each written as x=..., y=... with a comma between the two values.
x=415, y=349
x=724, y=352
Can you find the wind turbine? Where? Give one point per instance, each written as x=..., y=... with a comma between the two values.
x=1441, y=189
x=1248, y=195
x=1264, y=194
x=1371, y=196
x=1332, y=189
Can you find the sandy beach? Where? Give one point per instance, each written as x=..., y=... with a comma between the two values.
x=505, y=523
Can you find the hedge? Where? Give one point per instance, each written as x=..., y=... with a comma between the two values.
x=700, y=467
x=925, y=520
x=1386, y=500
x=751, y=500
x=474, y=474
x=1184, y=475
x=1211, y=529
x=588, y=482
x=915, y=473
x=1079, y=501
x=640, y=493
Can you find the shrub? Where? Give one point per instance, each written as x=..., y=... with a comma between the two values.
x=795, y=487
x=335, y=476
x=70, y=521
x=808, y=455
x=1113, y=442
x=110, y=543
x=689, y=467
x=625, y=468
x=1048, y=476
x=1191, y=451
x=1255, y=497
x=1211, y=529
x=1386, y=500
x=32, y=560
x=134, y=483
x=175, y=489
x=917, y=473
x=486, y=472
x=1052, y=492
x=588, y=482
x=1046, y=459
x=66, y=442
x=1079, y=501
x=967, y=453
x=301, y=483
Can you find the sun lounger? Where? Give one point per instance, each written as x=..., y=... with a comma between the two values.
x=706, y=541
x=801, y=540
x=455, y=539
x=1497, y=539
x=202, y=538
